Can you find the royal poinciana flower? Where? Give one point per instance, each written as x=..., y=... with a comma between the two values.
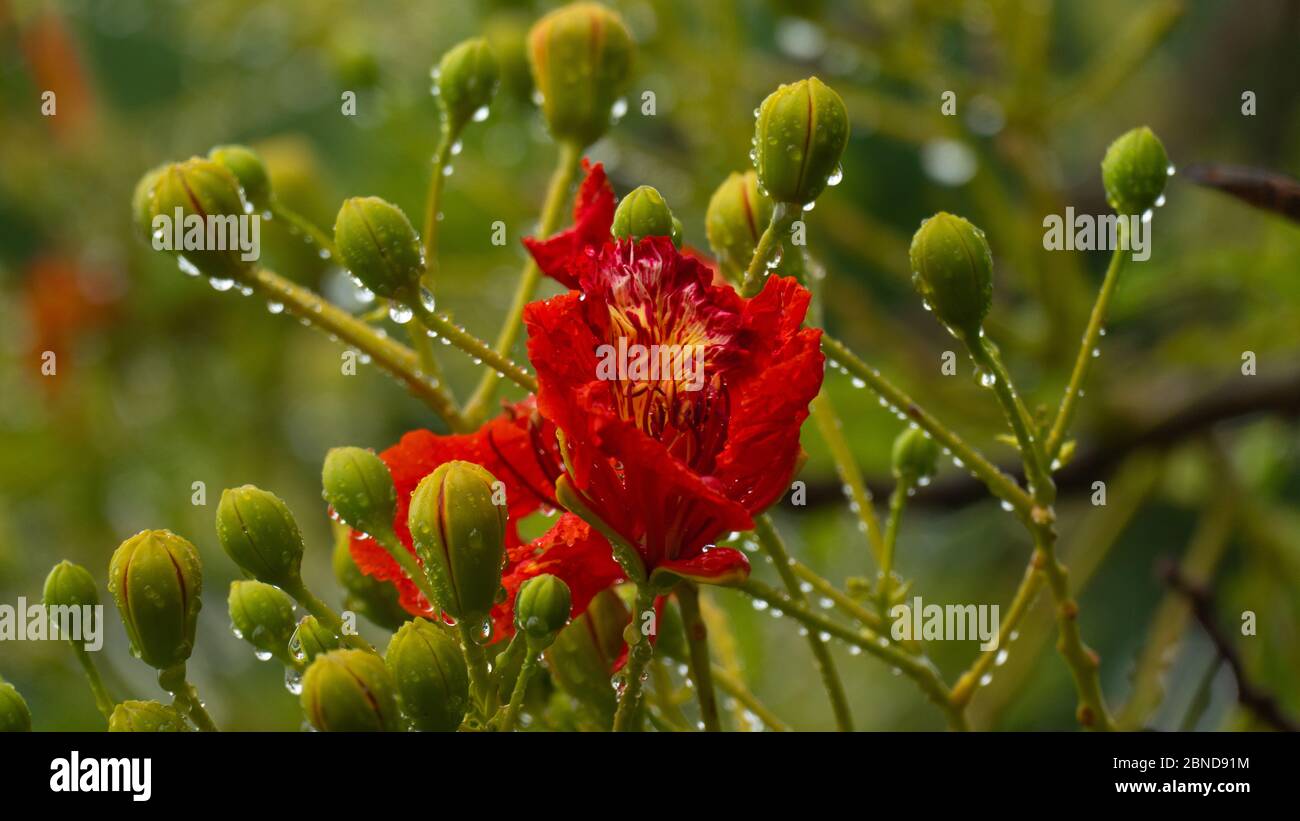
x=518, y=448
x=670, y=462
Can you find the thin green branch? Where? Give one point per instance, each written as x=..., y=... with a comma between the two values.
x=697, y=643
x=832, y=431
x=734, y=687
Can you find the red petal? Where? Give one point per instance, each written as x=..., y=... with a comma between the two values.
x=721, y=565
x=561, y=255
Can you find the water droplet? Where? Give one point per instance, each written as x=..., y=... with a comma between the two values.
x=1007, y=506
x=480, y=114
x=275, y=307
x=263, y=655
x=619, y=108
x=988, y=379
x=219, y=284
x=426, y=299
x=188, y=268
x=836, y=177
x=1170, y=170
x=1160, y=201
x=457, y=147
x=1000, y=659
x=364, y=295
x=400, y=313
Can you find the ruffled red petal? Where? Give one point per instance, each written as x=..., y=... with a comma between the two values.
x=559, y=255
x=721, y=565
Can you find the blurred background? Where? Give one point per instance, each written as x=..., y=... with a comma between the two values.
x=163, y=382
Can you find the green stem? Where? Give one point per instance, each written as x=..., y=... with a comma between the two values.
x=394, y=358
x=626, y=718
x=897, y=501
x=782, y=215
x=841, y=600
x=322, y=240
x=832, y=431
x=1025, y=596
x=476, y=662
x=557, y=194
x=735, y=688
x=1083, y=362
x=326, y=616
x=103, y=702
x=433, y=202
x=475, y=347
x=186, y=697
x=697, y=642
x=517, y=695
x=999, y=483
x=1022, y=425
x=772, y=544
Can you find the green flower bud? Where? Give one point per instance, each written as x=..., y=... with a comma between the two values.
x=582, y=658
x=311, y=639
x=737, y=216
x=376, y=600
x=459, y=533
x=203, y=188
x=14, y=715
x=156, y=580
x=952, y=267
x=1134, y=171
x=142, y=198
x=259, y=533
x=262, y=615
x=916, y=456
x=359, y=487
x=145, y=717
x=542, y=609
x=508, y=34
x=467, y=78
x=581, y=56
x=379, y=246
x=643, y=213
x=799, y=137
x=248, y=169
x=350, y=691
x=428, y=669
x=71, y=585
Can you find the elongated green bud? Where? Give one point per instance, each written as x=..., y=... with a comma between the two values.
x=952, y=268
x=542, y=609
x=198, y=191
x=643, y=213
x=259, y=533
x=459, y=534
x=738, y=214
x=376, y=600
x=71, y=586
x=467, y=80
x=379, y=246
x=311, y=639
x=1134, y=171
x=262, y=615
x=357, y=484
x=350, y=691
x=145, y=717
x=248, y=169
x=432, y=680
x=915, y=456
x=581, y=55
x=156, y=580
x=14, y=715
x=799, y=137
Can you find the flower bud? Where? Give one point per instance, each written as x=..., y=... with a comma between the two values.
x=376, y=600
x=459, y=533
x=738, y=214
x=142, y=198
x=14, y=715
x=508, y=34
x=799, y=137
x=916, y=456
x=259, y=533
x=428, y=669
x=145, y=717
x=357, y=484
x=156, y=580
x=379, y=246
x=581, y=56
x=311, y=639
x=583, y=655
x=467, y=78
x=952, y=268
x=542, y=609
x=262, y=615
x=202, y=188
x=71, y=585
x=643, y=213
x=1134, y=171
x=248, y=169
x=350, y=691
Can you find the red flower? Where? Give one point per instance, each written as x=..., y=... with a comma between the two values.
x=671, y=462
x=519, y=449
x=593, y=214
